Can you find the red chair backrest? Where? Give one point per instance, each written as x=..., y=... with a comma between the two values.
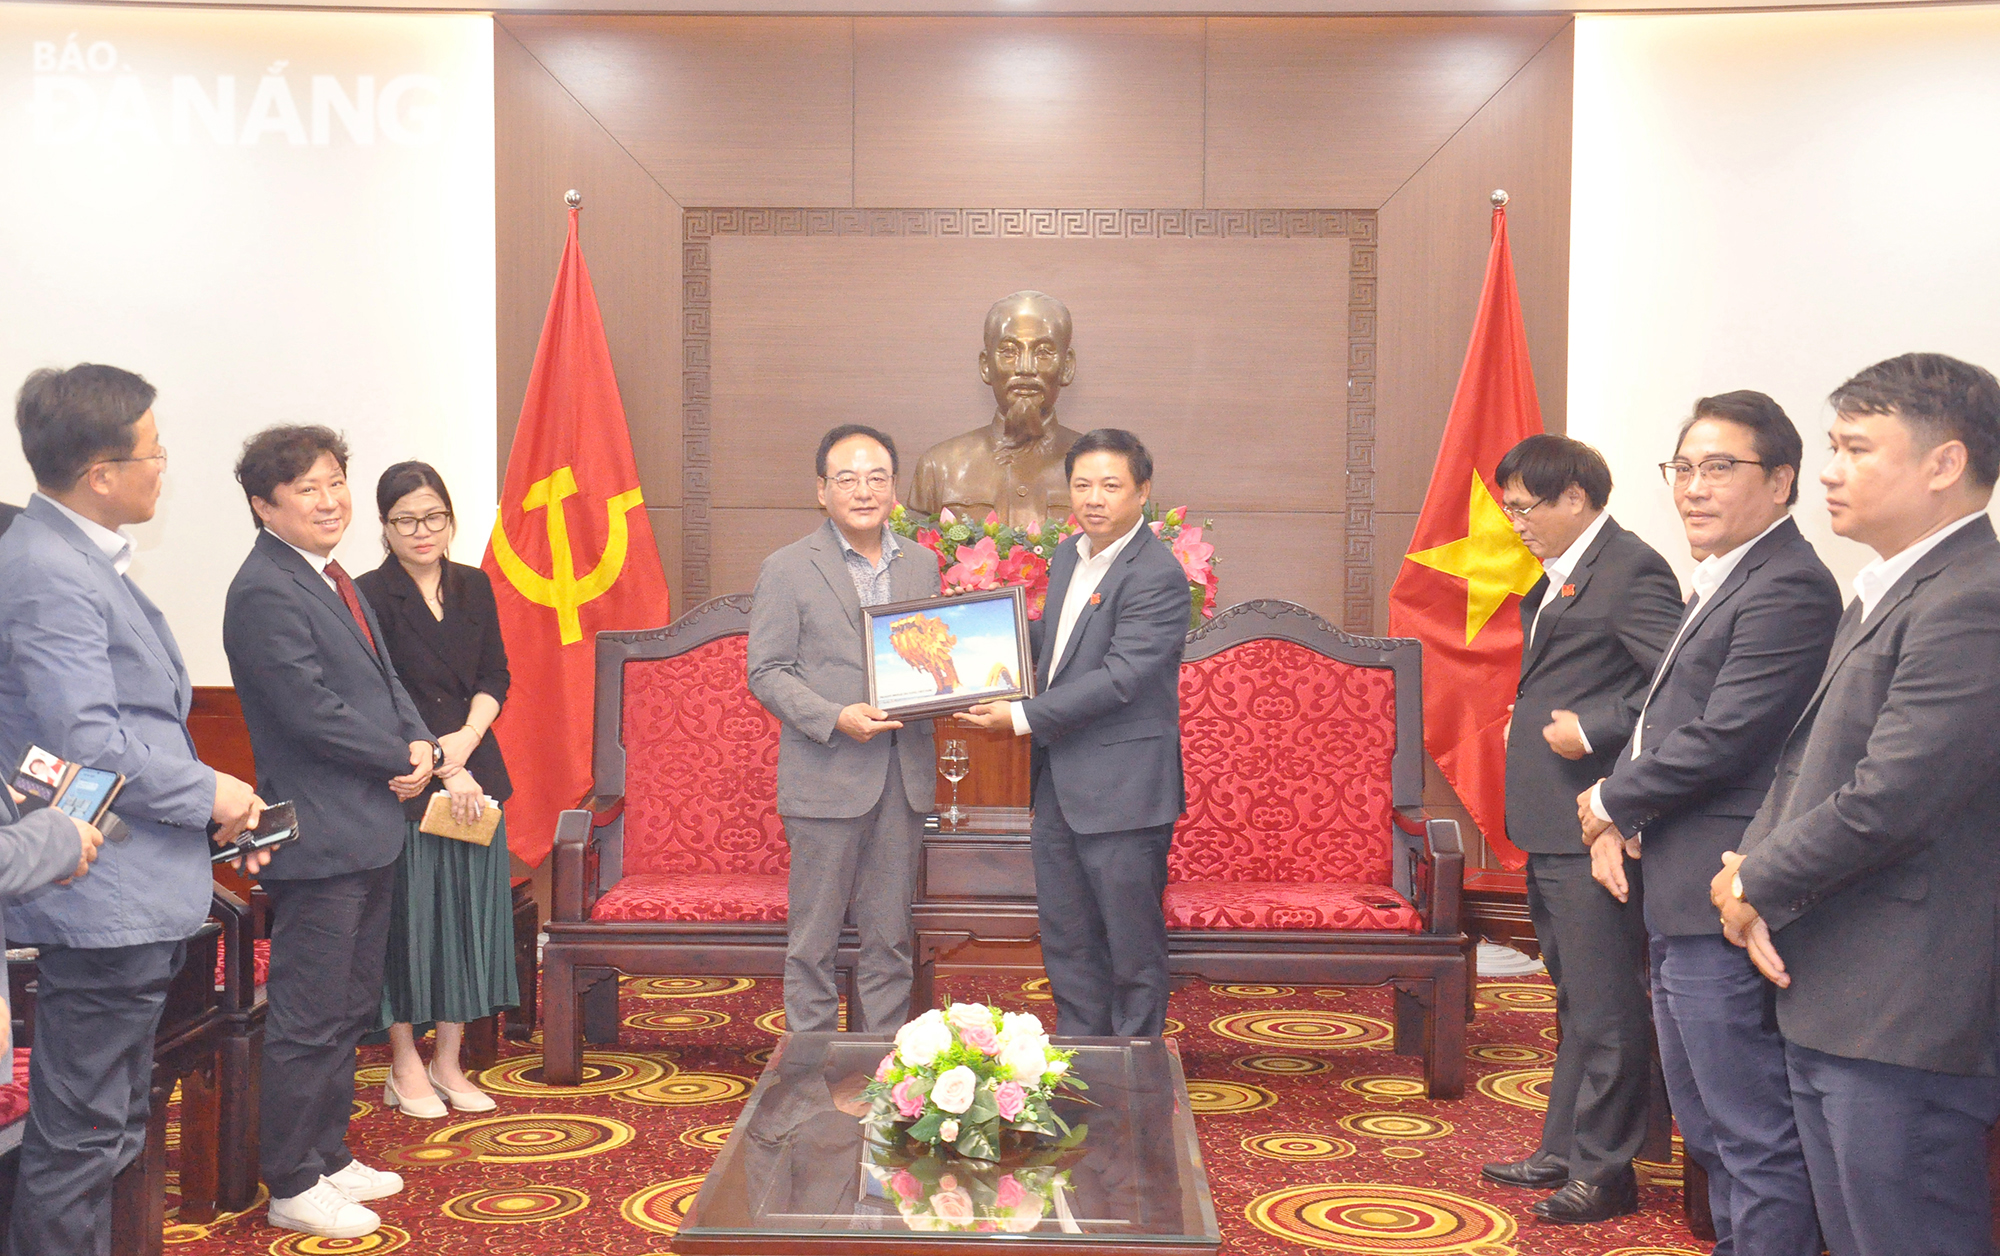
x=701, y=766
x=1287, y=754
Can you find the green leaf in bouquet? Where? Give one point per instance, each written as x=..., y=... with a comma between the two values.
x=981, y=1141
x=1074, y=1138
x=984, y=1106
x=926, y=1128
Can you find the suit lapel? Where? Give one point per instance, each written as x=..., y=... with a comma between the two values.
x=1061, y=571
x=833, y=566
x=125, y=593
x=1852, y=634
x=1574, y=582
x=1105, y=589
x=316, y=586
x=1759, y=554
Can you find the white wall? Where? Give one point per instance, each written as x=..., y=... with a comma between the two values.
x=1773, y=201
x=267, y=258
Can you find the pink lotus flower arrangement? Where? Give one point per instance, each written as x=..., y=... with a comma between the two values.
x=992, y=555
x=958, y=1078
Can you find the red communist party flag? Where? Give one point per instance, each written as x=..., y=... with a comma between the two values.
x=1463, y=578
x=571, y=555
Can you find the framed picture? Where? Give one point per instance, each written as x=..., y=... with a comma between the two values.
x=942, y=654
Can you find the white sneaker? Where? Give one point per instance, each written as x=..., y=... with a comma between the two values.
x=360, y=1183
x=323, y=1210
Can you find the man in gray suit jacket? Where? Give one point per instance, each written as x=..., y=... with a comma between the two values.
x=1869, y=884
x=1106, y=732
x=1749, y=651
x=1593, y=629
x=335, y=734
x=853, y=784
x=89, y=671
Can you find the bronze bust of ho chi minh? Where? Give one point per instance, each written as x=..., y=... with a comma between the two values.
x=1014, y=465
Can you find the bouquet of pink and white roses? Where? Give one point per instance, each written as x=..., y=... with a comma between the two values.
x=934, y=1192
x=960, y=1077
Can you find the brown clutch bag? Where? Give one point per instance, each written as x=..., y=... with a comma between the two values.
x=437, y=822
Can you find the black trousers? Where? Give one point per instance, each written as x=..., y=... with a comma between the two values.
x=1104, y=935
x=329, y=940
x=90, y=1087
x=1595, y=948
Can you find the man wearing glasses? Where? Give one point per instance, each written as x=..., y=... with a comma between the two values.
x=853, y=784
x=1749, y=651
x=1592, y=629
x=90, y=672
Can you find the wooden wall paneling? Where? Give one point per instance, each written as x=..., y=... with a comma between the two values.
x=744, y=538
x=720, y=110
x=1197, y=328
x=1294, y=555
x=1343, y=110
x=545, y=144
x=1435, y=237
x=1021, y=111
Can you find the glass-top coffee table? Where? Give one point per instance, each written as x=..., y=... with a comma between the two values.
x=800, y=1172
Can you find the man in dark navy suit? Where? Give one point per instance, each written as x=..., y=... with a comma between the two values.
x=334, y=733
x=1749, y=650
x=1106, y=762
x=1869, y=885
x=1593, y=629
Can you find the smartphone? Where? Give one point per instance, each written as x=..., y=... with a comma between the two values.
x=90, y=794
x=278, y=825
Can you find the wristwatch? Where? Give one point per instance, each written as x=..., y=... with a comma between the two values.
x=437, y=757
x=1736, y=887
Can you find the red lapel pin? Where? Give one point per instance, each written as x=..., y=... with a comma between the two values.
x=1095, y=598
x=1569, y=590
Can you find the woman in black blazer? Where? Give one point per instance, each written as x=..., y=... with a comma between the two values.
x=451, y=940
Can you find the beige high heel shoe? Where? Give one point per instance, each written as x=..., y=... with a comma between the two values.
x=474, y=1100
x=427, y=1107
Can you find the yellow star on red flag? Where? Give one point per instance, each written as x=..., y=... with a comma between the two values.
x=1489, y=558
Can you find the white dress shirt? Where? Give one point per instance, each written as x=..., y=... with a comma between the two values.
x=318, y=561
x=1083, y=582
x=1708, y=576
x=1560, y=567
x=116, y=546
x=1880, y=576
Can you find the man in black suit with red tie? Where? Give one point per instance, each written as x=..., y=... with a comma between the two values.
x=1593, y=629
x=1743, y=663
x=1868, y=888
x=335, y=734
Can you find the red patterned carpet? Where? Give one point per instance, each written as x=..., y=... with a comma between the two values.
x=1316, y=1136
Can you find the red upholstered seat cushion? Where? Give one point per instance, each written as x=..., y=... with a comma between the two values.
x=1287, y=755
x=701, y=767
x=696, y=896
x=1343, y=906
x=260, y=962
x=14, y=1095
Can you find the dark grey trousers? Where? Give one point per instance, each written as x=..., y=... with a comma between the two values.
x=329, y=938
x=1104, y=934
x=1595, y=948
x=865, y=867
x=90, y=1087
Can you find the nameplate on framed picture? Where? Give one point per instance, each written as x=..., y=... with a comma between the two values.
x=937, y=655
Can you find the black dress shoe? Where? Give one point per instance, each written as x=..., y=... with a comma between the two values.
x=1580, y=1202
x=1539, y=1171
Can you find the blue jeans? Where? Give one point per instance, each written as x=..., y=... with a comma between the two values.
x=1725, y=1068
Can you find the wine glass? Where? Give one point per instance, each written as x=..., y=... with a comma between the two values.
x=955, y=761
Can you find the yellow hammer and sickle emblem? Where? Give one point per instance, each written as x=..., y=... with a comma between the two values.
x=562, y=588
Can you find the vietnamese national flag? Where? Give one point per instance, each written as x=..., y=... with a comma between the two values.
x=571, y=555
x=1462, y=580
